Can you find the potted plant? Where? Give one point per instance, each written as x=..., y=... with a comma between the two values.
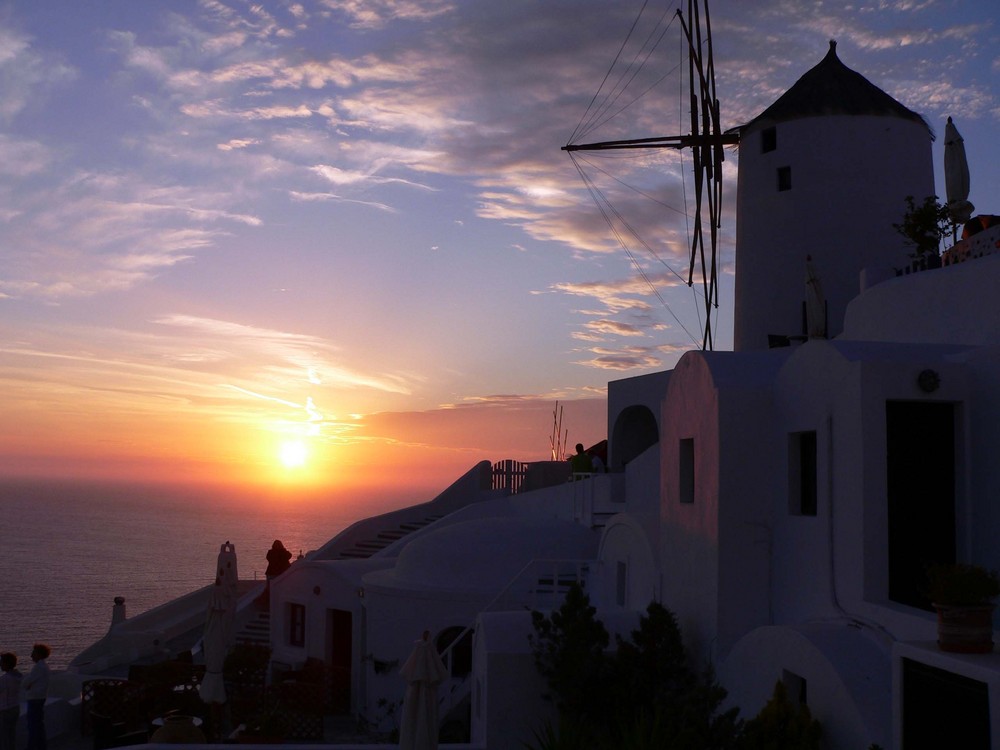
x=964, y=596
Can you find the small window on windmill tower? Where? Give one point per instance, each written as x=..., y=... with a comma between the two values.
x=784, y=179
x=768, y=140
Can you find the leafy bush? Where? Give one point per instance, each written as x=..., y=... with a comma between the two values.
x=642, y=695
x=962, y=584
x=781, y=725
x=925, y=225
x=569, y=652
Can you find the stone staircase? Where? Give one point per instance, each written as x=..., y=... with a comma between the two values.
x=257, y=630
x=384, y=538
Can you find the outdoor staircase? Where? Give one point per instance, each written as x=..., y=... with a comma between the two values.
x=554, y=585
x=384, y=538
x=257, y=630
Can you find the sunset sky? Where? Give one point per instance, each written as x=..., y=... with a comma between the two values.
x=342, y=232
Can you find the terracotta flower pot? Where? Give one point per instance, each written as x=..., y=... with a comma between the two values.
x=965, y=629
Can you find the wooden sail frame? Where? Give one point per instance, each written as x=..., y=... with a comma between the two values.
x=707, y=142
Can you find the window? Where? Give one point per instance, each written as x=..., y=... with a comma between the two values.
x=686, y=470
x=931, y=693
x=621, y=584
x=768, y=140
x=784, y=179
x=296, y=625
x=802, y=489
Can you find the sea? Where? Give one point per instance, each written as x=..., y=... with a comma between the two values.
x=68, y=548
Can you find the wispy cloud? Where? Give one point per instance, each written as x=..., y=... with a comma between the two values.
x=374, y=14
x=322, y=197
x=631, y=358
x=26, y=74
x=285, y=354
x=79, y=237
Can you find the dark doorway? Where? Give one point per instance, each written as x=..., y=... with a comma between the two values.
x=340, y=635
x=942, y=709
x=634, y=431
x=920, y=474
x=461, y=653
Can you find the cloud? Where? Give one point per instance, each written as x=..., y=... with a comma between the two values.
x=615, y=327
x=375, y=14
x=27, y=76
x=611, y=292
x=238, y=143
x=243, y=102
x=519, y=427
x=323, y=197
x=633, y=357
x=94, y=232
x=343, y=177
x=20, y=158
x=312, y=358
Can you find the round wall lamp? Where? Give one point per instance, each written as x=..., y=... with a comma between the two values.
x=928, y=381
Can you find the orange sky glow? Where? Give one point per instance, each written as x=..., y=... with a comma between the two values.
x=395, y=452
x=226, y=227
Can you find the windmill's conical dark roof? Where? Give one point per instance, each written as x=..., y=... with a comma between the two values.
x=831, y=88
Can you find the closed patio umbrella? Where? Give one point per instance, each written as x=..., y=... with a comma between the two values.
x=956, y=174
x=219, y=626
x=423, y=670
x=815, y=303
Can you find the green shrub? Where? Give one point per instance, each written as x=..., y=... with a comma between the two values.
x=962, y=584
x=643, y=695
x=781, y=725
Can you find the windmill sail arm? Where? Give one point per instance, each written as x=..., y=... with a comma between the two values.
x=668, y=141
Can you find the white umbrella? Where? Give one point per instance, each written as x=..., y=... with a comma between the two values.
x=956, y=174
x=423, y=670
x=219, y=626
x=815, y=303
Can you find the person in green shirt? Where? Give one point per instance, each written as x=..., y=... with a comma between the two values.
x=580, y=462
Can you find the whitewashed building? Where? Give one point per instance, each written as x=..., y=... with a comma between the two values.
x=782, y=500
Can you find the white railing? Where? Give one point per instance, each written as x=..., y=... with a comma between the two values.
x=539, y=585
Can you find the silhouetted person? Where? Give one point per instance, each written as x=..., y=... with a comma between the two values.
x=10, y=699
x=36, y=688
x=278, y=560
x=580, y=462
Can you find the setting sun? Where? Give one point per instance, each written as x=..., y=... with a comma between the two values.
x=293, y=454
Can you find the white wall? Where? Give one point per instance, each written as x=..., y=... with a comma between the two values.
x=507, y=703
x=628, y=539
x=850, y=178
x=847, y=675
x=749, y=480
x=954, y=305
x=689, y=532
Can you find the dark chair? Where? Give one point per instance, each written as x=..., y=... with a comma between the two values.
x=111, y=733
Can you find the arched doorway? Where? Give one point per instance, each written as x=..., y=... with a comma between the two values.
x=635, y=430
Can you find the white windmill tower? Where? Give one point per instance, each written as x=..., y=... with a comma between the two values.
x=823, y=172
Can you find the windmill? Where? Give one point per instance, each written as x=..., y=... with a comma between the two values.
x=707, y=142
